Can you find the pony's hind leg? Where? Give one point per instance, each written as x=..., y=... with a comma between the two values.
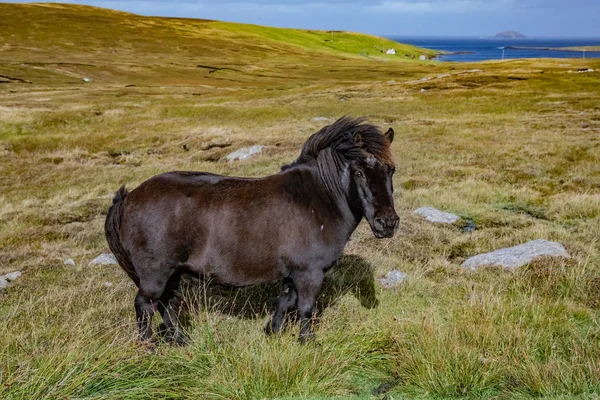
x=168, y=307
x=144, y=310
x=149, y=294
x=287, y=300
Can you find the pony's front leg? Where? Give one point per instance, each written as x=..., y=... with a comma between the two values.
x=287, y=300
x=308, y=283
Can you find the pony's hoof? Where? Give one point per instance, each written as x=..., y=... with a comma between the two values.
x=178, y=339
x=270, y=330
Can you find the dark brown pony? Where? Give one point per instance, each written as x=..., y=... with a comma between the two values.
x=291, y=226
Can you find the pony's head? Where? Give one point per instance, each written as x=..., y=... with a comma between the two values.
x=363, y=161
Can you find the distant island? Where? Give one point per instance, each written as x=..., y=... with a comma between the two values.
x=510, y=35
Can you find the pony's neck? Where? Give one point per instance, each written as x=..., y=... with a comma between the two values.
x=334, y=176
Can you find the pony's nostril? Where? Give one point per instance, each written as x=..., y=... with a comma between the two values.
x=380, y=223
x=394, y=221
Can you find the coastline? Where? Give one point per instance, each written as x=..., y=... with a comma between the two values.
x=572, y=49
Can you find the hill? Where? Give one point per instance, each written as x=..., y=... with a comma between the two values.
x=58, y=42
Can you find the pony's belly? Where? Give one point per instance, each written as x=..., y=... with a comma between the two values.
x=240, y=273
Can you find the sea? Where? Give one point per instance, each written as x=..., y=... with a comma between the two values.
x=480, y=49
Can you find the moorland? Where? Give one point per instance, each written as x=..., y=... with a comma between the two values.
x=513, y=146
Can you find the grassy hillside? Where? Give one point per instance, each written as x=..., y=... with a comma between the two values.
x=53, y=43
x=513, y=146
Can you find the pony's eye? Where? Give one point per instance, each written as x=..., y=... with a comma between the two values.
x=358, y=174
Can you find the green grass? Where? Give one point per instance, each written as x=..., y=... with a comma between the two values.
x=513, y=147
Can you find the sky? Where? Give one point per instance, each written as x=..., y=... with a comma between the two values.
x=534, y=18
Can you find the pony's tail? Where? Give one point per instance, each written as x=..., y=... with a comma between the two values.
x=112, y=228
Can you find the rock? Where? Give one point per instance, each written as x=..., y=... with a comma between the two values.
x=392, y=279
x=422, y=90
x=69, y=261
x=422, y=57
x=513, y=257
x=320, y=119
x=3, y=283
x=86, y=80
x=104, y=259
x=107, y=284
x=434, y=215
x=392, y=82
x=11, y=276
x=440, y=76
x=244, y=153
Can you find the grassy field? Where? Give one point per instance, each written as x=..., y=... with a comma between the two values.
x=514, y=146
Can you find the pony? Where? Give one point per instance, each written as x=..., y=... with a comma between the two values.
x=291, y=226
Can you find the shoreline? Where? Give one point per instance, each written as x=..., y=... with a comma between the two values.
x=571, y=49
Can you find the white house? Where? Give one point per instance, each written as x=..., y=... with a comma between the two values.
x=390, y=51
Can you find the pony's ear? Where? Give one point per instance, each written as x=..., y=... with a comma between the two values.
x=389, y=135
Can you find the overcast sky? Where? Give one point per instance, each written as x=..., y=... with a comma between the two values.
x=564, y=18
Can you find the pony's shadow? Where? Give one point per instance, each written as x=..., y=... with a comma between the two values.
x=351, y=275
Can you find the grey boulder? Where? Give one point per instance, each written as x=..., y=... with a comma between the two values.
x=11, y=276
x=5, y=279
x=392, y=279
x=104, y=259
x=516, y=256
x=244, y=153
x=434, y=215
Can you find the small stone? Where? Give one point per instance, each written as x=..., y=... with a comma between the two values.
x=69, y=261
x=3, y=283
x=392, y=279
x=440, y=76
x=422, y=90
x=434, y=215
x=11, y=276
x=320, y=119
x=422, y=57
x=104, y=259
x=86, y=80
x=392, y=82
x=516, y=256
x=244, y=153
x=107, y=284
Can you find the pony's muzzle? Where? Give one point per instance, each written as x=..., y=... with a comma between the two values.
x=385, y=226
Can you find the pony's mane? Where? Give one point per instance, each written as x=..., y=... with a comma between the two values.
x=351, y=138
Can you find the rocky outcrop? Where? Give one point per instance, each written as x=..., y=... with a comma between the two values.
x=245, y=153
x=516, y=256
x=104, y=259
x=434, y=215
x=392, y=279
